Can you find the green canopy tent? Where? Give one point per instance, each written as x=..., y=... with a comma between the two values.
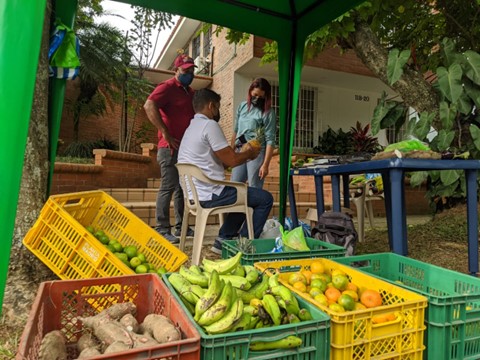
x=288, y=22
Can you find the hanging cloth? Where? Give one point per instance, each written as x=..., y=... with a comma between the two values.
x=64, y=53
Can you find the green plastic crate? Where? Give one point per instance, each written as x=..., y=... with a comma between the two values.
x=315, y=335
x=264, y=246
x=453, y=313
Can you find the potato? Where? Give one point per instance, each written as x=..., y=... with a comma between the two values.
x=88, y=353
x=129, y=322
x=114, y=312
x=116, y=346
x=85, y=341
x=53, y=346
x=112, y=331
x=161, y=328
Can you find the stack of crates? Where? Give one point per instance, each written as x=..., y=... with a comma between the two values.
x=453, y=314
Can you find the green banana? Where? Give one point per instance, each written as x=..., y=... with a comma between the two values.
x=287, y=343
x=259, y=288
x=293, y=319
x=190, y=307
x=271, y=307
x=251, y=274
x=219, y=308
x=183, y=287
x=196, y=269
x=254, y=320
x=304, y=315
x=289, y=299
x=228, y=320
x=225, y=266
x=239, y=271
x=237, y=281
x=210, y=296
x=252, y=310
x=273, y=280
x=243, y=323
x=198, y=290
x=194, y=278
x=246, y=296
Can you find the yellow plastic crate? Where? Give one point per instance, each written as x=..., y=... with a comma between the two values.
x=61, y=241
x=353, y=334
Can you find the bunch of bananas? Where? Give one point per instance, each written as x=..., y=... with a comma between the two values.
x=225, y=296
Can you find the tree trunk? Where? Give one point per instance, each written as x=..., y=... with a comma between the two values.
x=415, y=91
x=25, y=270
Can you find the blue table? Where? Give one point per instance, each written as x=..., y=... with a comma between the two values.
x=393, y=175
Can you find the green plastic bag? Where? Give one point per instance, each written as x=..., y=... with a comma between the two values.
x=294, y=240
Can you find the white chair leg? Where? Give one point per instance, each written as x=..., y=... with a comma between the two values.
x=200, y=225
x=249, y=219
x=369, y=206
x=221, y=218
x=360, y=205
x=183, y=233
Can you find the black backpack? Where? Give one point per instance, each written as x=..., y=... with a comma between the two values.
x=337, y=228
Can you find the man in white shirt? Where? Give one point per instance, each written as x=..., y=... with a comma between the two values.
x=205, y=145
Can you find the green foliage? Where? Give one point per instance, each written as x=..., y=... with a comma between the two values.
x=332, y=142
x=84, y=149
x=396, y=62
x=362, y=141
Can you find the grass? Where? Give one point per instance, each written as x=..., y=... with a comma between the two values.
x=442, y=242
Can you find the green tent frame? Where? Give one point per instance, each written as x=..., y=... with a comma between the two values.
x=288, y=22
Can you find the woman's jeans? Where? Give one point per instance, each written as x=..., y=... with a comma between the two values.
x=249, y=171
x=260, y=200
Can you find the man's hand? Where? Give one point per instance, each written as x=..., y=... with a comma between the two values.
x=172, y=142
x=254, y=151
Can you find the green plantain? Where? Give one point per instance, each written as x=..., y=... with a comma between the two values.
x=237, y=281
x=259, y=288
x=289, y=300
x=252, y=274
x=193, y=277
x=228, y=320
x=219, y=308
x=271, y=307
x=211, y=295
x=225, y=266
x=273, y=280
x=243, y=323
x=246, y=296
x=287, y=343
x=183, y=287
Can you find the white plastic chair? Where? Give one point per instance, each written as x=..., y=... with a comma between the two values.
x=363, y=201
x=186, y=174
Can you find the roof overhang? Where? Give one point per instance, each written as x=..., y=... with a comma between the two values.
x=156, y=76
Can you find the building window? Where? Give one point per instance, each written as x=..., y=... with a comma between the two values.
x=207, y=42
x=305, y=129
x=196, y=47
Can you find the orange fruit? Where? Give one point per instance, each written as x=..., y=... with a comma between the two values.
x=371, y=298
x=359, y=306
x=336, y=307
x=381, y=318
x=300, y=286
x=322, y=299
x=351, y=293
x=296, y=277
x=346, y=301
x=316, y=267
x=321, y=284
x=307, y=274
x=340, y=281
x=390, y=317
x=352, y=286
x=332, y=294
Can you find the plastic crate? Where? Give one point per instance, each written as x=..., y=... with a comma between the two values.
x=354, y=335
x=453, y=314
x=61, y=241
x=264, y=246
x=315, y=335
x=58, y=303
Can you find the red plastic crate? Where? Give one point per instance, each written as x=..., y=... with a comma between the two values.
x=58, y=303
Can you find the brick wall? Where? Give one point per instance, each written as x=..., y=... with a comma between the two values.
x=103, y=127
x=112, y=169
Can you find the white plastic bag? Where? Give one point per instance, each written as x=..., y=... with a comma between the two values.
x=271, y=229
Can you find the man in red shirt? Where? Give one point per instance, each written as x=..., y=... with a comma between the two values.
x=169, y=108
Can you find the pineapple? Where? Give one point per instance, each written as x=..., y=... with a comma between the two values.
x=245, y=245
x=258, y=140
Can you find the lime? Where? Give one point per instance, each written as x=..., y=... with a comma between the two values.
x=141, y=269
x=142, y=257
x=130, y=250
x=153, y=271
x=346, y=301
x=111, y=248
x=134, y=262
x=90, y=229
x=151, y=266
x=161, y=270
x=118, y=247
x=320, y=284
x=122, y=256
x=98, y=233
x=104, y=239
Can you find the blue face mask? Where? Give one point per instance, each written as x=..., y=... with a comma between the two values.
x=185, y=79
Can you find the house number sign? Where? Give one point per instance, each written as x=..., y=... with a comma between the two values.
x=362, y=98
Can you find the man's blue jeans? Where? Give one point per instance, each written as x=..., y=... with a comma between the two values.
x=260, y=200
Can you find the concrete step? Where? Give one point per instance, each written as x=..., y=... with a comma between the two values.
x=149, y=195
x=146, y=211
